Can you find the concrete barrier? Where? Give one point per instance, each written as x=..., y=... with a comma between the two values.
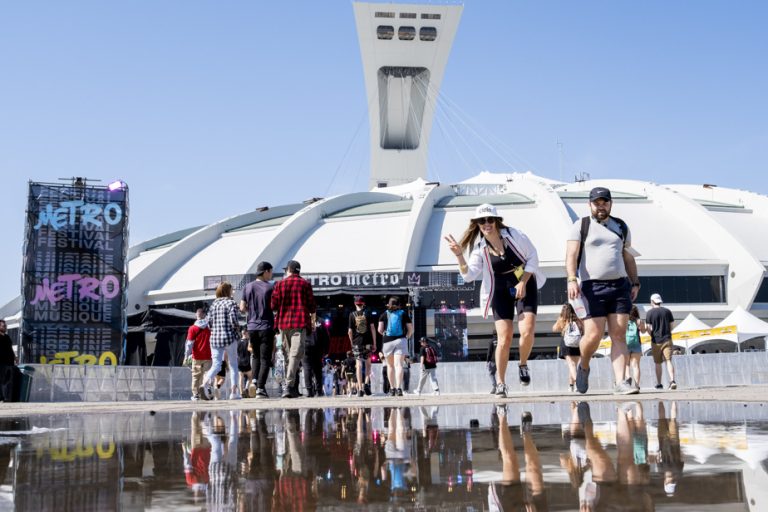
x=59, y=383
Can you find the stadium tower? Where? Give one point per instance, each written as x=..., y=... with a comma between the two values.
x=404, y=48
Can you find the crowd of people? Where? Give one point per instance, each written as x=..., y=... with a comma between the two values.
x=283, y=333
x=222, y=355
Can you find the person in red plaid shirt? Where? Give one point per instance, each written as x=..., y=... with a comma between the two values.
x=294, y=304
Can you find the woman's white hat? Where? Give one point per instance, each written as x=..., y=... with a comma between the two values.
x=485, y=210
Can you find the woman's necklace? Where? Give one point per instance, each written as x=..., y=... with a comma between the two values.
x=495, y=251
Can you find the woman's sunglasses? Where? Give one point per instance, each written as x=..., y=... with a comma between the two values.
x=486, y=220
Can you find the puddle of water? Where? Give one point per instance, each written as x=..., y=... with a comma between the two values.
x=635, y=456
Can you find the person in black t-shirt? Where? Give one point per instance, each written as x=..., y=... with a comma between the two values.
x=428, y=360
x=659, y=322
x=362, y=335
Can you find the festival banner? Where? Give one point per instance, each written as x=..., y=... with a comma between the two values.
x=74, y=274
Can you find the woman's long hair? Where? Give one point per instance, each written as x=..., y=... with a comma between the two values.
x=634, y=314
x=470, y=234
x=567, y=315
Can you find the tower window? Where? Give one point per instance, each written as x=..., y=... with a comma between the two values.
x=406, y=33
x=426, y=16
x=427, y=33
x=385, y=31
x=384, y=14
x=408, y=15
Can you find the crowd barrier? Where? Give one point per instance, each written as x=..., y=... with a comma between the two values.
x=60, y=383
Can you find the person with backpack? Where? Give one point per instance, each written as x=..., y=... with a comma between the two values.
x=428, y=360
x=635, y=327
x=362, y=336
x=571, y=328
x=601, y=268
x=508, y=263
x=396, y=327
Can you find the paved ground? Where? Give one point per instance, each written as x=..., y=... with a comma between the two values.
x=725, y=394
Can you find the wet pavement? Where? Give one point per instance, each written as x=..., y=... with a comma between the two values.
x=653, y=454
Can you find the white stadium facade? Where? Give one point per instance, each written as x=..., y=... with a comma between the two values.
x=701, y=247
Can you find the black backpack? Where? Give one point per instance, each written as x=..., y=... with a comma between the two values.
x=584, y=231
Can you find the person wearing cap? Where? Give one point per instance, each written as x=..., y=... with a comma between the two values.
x=508, y=264
x=670, y=456
x=294, y=305
x=660, y=321
x=601, y=269
x=256, y=303
x=395, y=327
x=362, y=336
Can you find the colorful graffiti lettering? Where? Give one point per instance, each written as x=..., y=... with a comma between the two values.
x=87, y=288
x=74, y=357
x=66, y=214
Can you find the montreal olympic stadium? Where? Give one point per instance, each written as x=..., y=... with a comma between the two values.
x=701, y=246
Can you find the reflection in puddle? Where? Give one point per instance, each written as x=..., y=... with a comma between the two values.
x=632, y=456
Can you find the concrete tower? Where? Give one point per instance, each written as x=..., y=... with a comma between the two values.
x=404, y=49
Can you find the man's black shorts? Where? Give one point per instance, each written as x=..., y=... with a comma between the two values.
x=604, y=298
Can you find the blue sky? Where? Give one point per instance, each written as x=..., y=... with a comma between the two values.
x=208, y=109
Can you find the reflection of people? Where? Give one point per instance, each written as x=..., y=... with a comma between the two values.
x=623, y=483
x=575, y=461
x=197, y=457
x=571, y=329
x=599, y=252
x=508, y=263
x=510, y=494
x=396, y=328
x=223, y=468
x=259, y=468
x=659, y=321
x=225, y=331
x=669, y=448
x=397, y=449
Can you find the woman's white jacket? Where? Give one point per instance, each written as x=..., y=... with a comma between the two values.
x=480, y=263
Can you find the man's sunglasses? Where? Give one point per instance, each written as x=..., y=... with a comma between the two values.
x=486, y=220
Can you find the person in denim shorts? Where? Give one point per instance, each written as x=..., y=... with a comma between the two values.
x=606, y=278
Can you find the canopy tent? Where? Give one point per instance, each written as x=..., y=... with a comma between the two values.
x=748, y=326
x=691, y=323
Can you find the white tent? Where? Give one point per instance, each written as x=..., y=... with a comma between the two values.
x=748, y=326
x=691, y=323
